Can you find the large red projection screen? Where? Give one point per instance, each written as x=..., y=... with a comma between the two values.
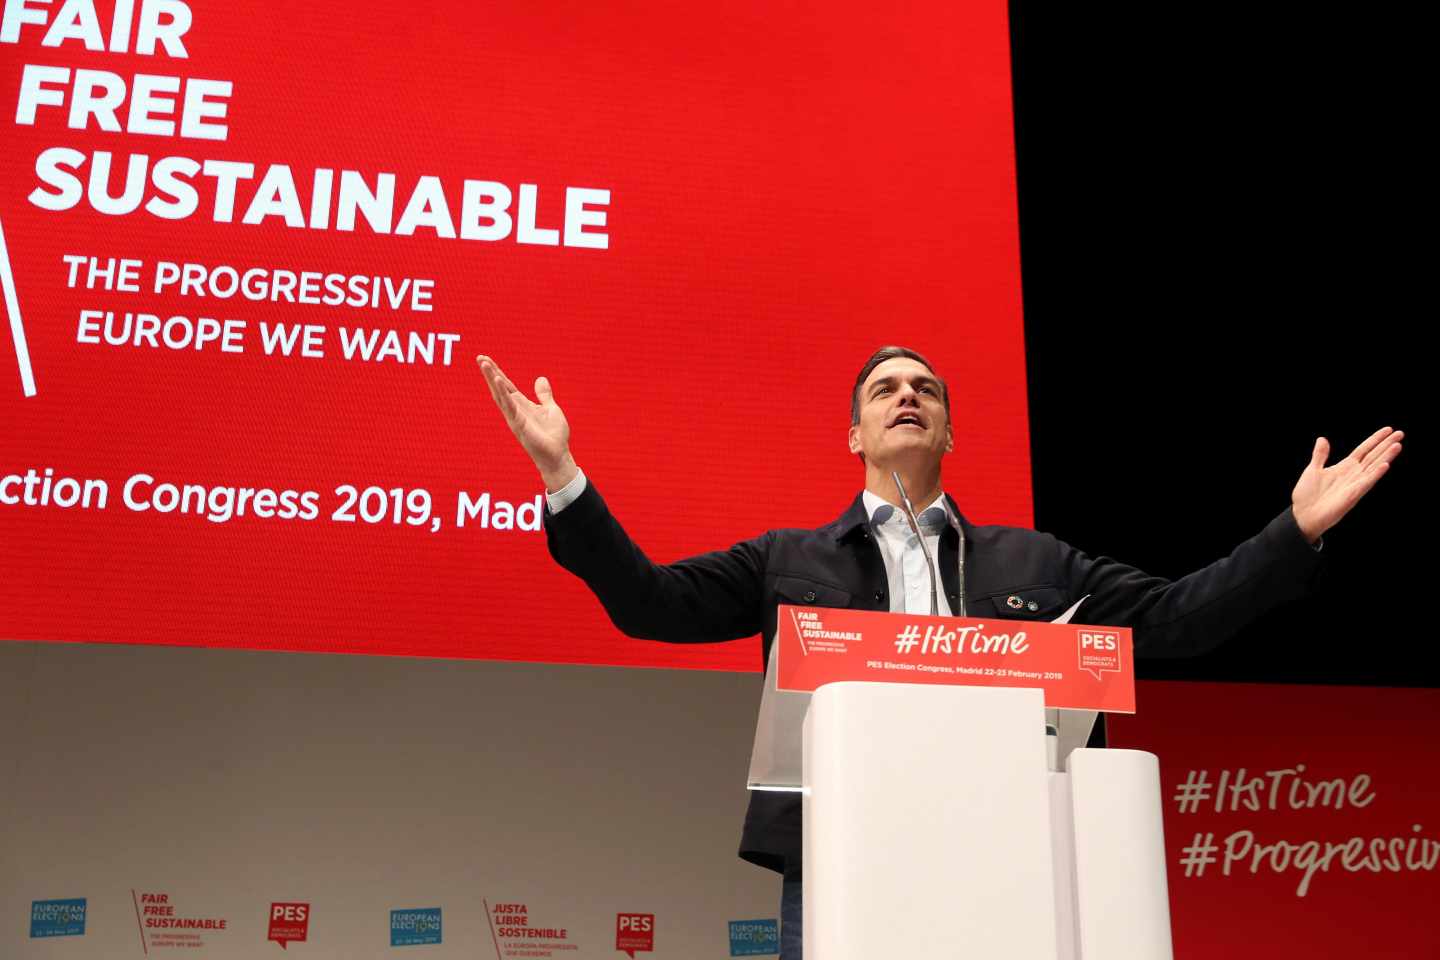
x=256, y=247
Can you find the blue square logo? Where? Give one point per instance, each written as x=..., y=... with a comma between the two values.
x=754, y=938
x=413, y=928
x=57, y=918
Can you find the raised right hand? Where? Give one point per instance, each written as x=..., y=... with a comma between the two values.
x=540, y=427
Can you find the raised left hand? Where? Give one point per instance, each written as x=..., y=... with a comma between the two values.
x=1325, y=494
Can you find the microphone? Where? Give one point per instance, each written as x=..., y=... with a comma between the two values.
x=960, y=580
x=909, y=510
x=915, y=527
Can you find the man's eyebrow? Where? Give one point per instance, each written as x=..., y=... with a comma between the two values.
x=921, y=380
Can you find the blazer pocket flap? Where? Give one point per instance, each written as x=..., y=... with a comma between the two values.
x=808, y=593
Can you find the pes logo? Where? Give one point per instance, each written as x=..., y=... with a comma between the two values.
x=635, y=932
x=289, y=922
x=1092, y=640
x=1099, y=651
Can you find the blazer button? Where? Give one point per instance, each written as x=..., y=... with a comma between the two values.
x=879, y=595
x=809, y=596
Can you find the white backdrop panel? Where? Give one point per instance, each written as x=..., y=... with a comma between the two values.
x=227, y=780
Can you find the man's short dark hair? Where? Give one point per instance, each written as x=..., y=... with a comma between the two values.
x=879, y=357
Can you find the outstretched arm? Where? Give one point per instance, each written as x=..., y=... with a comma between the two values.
x=1195, y=613
x=711, y=597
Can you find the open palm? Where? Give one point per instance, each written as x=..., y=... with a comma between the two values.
x=539, y=424
x=1325, y=494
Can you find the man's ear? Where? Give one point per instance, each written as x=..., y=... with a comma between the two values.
x=855, y=439
x=949, y=439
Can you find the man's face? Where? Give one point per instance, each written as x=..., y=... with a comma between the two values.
x=902, y=415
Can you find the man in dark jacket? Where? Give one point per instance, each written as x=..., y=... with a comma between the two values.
x=869, y=558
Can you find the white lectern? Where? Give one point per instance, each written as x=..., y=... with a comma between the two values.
x=934, y=830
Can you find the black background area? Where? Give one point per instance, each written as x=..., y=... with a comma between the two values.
x=1221, y=243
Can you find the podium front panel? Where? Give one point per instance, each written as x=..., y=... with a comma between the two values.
x=927, y=824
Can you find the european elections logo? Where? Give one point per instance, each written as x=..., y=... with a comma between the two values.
x=754, y=938
x=57, y=918
x=412, y=928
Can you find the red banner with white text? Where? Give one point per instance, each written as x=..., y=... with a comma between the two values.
x=251, y=250
x=1299, y=821
x=1078, y=667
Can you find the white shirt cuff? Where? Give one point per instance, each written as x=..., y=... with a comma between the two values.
x=567, y=494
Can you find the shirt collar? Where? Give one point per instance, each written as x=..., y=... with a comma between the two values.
x=896, y=516
x=856, y=519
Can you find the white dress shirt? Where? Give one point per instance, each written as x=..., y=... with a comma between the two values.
x=567, y=494
x=905, y=566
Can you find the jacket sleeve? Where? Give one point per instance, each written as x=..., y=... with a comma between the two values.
x=703, y=599
x=1194, y=614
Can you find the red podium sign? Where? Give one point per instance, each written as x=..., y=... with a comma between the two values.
x=1079, y=667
